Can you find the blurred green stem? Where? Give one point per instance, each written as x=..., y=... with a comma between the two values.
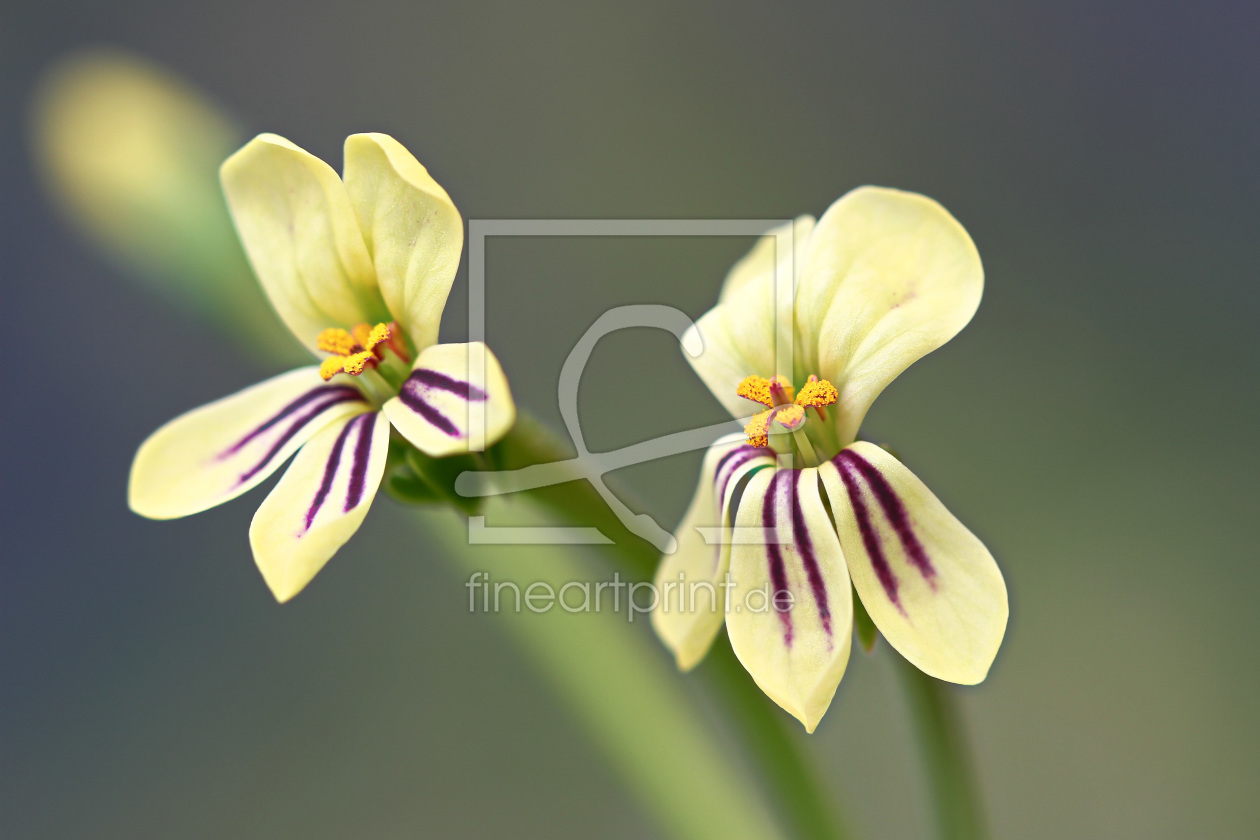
x=946, y=759
x=807, y=811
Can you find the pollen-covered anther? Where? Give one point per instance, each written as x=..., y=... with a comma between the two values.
x=332, y=366
x=337, y=341
x=790, y=417
x=817, y=393
x=768, y=392
x=757, y=389
x=354, y=351
x=758, y=428
x=783, y=404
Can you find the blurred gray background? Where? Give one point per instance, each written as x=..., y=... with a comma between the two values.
x=1095, y=424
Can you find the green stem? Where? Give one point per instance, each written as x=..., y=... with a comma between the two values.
x=947, y=760
x=793, y=783
x=774, y=750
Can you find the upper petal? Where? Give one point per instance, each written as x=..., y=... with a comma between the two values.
x=319, y=502
x=691, y=604
x=300, y=232
x=217, y=452
x=889, y=276
x=456, y=400
x=929, y=584
x=411, y=227
x=790, y=609
x=742, y=335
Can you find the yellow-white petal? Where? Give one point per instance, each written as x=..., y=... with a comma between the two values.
x=759, y=265
x=300, y=232
x=741, y=336
x=929, y=584
x=795, y=645
x=411, y=228
x=691, y=604
x=319, y=502
x=217, y=452
x=889, y=277
x=456, y=400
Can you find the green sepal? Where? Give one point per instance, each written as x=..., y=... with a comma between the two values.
x=410, y=489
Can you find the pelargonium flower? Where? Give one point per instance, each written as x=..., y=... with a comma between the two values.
x=359, y=270
x=797, y=510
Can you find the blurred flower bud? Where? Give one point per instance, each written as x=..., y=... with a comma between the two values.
x=131, y=155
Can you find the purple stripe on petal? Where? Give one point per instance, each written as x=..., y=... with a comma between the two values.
x=870, y=537
x=726, y=459
x=800, y=534
x=330, y=473
x=744, y=455
x=778, y=574
x=314, y=393
x=358, y=467
x=895, y=510
x=296, y=427
x=425, y=378
x=416, y=403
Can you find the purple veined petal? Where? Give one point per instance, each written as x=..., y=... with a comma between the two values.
x=320, y=392
x=774, y=552
x=731, y=462
x=319, y=502
x=893, y=508
x=455, y=400
x=871, y=539
x=786, y=555
x=805, y=547
x=426, y=380
x=314, y=409
x=930, y=586
x=359, y=467
x=416, y=398
x=216, y=452
x=362, y=426
x=690, y=582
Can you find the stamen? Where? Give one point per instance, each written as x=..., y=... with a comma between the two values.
x=781, y=390
x=758, y=427
x=757, y=389
x=361, y=333
x=337, y=341
x=785, y=407
x=355, y=363
x=397, y=343
x=332, y=366
x=790, y=417
x=353, y=351
x=817, y=393
x=378, y=334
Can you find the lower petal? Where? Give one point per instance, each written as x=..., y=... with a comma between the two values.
x=219, y=451
x=319, y=503
x=931, y=587
x=790, y=613
x=456, y=400
x=690, y=582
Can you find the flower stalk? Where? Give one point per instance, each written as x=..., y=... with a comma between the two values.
x=806, y=809
x=947, y=765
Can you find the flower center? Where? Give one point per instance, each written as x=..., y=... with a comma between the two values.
x=360, y=349
x=784, y=405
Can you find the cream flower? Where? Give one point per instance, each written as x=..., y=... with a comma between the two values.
x=793, y=516
x=359, y=270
